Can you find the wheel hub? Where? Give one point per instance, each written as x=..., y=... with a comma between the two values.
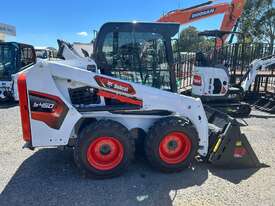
x=105, y=149
x=174, y=148
x=105, y=153
x=172, y=145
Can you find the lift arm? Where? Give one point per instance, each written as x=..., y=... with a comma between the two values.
x=232, y=11
x=67, y=52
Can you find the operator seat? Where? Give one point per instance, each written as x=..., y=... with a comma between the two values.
x=201, y=60
x=103, y=65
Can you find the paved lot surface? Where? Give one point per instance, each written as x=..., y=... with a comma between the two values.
x=49, y=177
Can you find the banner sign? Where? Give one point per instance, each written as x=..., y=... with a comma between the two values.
x=7, y=29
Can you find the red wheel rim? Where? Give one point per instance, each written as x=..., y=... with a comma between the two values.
x=105, y=153
x=174, y=148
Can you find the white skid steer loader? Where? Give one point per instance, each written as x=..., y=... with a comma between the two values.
x=14, y=57
x=63, y=105
x=94, y=113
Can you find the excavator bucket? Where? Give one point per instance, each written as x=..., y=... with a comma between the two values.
x=229, y=148
x=266, y=104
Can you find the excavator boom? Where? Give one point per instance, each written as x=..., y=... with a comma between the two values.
x=185, y=16
x=232, y=12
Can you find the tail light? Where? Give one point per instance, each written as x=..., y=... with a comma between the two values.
x=197, y=80
x=24, y=107
x=240, y=152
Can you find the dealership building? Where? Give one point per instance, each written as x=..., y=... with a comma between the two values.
x=5, y=30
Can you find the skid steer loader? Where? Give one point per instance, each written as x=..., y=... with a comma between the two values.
x=95, y=113
x=67, y=51
x=14, y=57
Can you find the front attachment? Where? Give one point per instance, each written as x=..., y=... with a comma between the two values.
x=234, y=109
x=232, y=150
x=228, y=148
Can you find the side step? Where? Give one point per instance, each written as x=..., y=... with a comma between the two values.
x=229, y=148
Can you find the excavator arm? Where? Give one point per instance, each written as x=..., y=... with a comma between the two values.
x=232, y=12
x=255, y=66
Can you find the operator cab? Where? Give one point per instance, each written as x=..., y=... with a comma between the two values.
x=216, y=57
x=137, y=52
x=14, y=57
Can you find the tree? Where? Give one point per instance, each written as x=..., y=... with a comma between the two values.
x=190, y=41
x=258, y=21
x=265, y=23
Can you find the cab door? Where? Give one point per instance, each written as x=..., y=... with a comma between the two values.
x=137, y=52
x=218, y=82
x=137, y=57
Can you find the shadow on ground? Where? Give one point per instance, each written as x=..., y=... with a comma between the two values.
x=49, y=177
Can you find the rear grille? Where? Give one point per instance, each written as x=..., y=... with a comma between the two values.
x=84, y=96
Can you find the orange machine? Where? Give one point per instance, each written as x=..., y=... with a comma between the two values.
x=232, y=11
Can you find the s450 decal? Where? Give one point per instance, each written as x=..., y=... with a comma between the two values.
x=48, y=109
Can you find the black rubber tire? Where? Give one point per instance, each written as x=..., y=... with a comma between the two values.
x=7, y=99
x=92, y=132
x=158, y=131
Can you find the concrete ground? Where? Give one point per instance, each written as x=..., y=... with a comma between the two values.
x=49, y=176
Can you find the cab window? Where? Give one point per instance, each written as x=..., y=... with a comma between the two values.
x=137, y=57
x=7, y=61
x=27, y=57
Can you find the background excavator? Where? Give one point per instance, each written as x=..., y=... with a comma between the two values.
x=213, y=79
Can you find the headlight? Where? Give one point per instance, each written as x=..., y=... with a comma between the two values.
x=91, y=68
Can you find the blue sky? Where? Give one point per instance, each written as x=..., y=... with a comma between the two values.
x=40, y=23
